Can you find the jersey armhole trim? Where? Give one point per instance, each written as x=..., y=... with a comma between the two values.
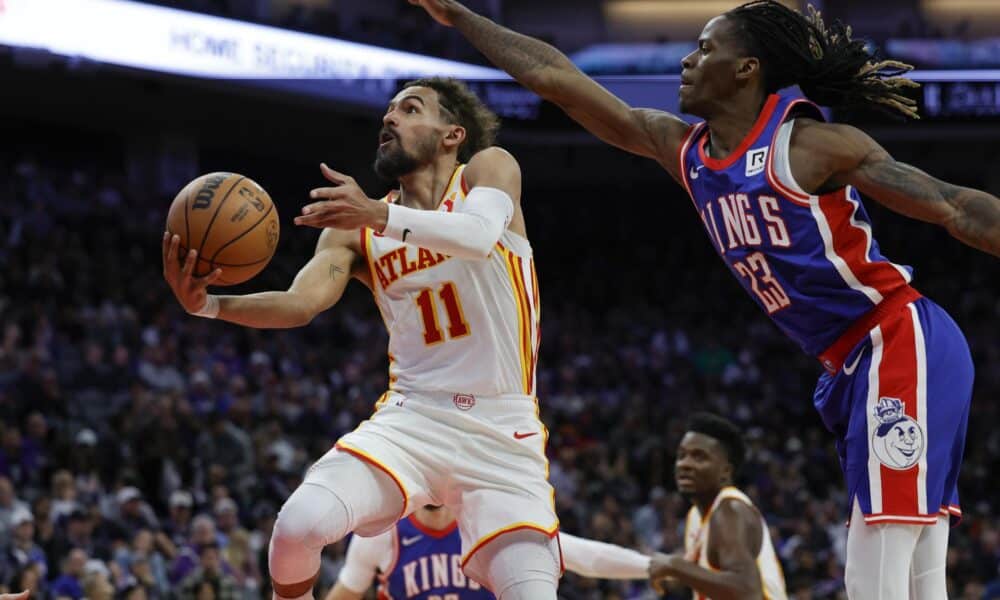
x=794, y=194
x=689, y=136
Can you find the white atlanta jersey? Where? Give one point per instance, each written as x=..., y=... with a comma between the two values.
x=696, y=535
x=455, y=325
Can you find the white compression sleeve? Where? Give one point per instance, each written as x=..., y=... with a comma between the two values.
x=362, y=560
x=602, y=561
x=470, y=234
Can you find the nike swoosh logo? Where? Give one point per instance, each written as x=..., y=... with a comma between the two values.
x=405, y=233
x=849, y=370
x=411, y=540
x=520, y=436
x=693, y=173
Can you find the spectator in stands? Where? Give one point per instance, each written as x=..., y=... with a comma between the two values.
x=70, y=580
x=209, y=574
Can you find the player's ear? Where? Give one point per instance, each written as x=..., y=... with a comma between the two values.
x=747, y=68
x=454, y=136
x=727, y=472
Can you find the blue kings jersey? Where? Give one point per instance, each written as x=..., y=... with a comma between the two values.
x=809, y=261
x=428, y=566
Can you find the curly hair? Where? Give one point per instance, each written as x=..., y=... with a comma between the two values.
x=462, y=107
x=724, y=431
x=828, y=66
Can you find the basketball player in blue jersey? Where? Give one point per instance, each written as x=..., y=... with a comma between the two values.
x=420, y=559
x=447, y=259
x=777, y=190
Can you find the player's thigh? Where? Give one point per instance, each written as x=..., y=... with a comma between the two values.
x=518, y=562
x=879, y=557
x=371, y=496
x=927, y=571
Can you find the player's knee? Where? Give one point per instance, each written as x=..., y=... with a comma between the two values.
x=534, y=589
x=312, y=517
x=523, y=564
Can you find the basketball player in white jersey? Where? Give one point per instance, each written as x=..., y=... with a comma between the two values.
x=727, y=547
x=416, y=560
x=448, y=262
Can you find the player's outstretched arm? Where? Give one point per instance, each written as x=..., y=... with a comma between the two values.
x=318, y=286
x=848, y=156
x=360, y=565
x=599, y=560
x=735, y=541
x=549, y=73
x=342, y=592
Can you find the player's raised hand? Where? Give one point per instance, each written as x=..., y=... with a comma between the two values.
x=190, y=291
x=344, y=206
x=443, y=11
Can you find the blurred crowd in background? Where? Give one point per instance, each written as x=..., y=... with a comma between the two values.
x=144, y=452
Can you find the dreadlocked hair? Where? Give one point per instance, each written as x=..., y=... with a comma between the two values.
x=828, y=66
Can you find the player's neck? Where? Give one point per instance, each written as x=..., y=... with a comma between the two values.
x=705, y=501
x=435, y=520
x=732, y=123
x=425, y=187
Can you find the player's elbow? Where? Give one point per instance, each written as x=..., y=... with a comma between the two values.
x=482, y=239
x=744, y=590
x=301, y=310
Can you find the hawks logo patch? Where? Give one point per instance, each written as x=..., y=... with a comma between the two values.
x=899, y=441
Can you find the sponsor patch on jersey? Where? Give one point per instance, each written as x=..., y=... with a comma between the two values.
x=756, y=161
x=464, y=401
x=898, y=442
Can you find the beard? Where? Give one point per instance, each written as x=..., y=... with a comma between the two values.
x=395, y=162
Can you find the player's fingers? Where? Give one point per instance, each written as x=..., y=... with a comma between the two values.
x=658, y=587
x=165, y=247
x=324, y=193
x=335, y=176
x=315, y=220
x=189, y=261
x=170, y=260
x=212, y=277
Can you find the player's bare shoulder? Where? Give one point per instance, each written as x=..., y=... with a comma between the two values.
x=738, y=520
x=495, y=167
x=665, y=132
x=818, y=151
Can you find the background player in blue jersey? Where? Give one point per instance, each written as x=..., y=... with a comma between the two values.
x=777, y=190
x=421, y=559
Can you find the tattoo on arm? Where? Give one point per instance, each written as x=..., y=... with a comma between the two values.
x=970, y=215
x=978, y=221
x=335, y=270
x=518, y=54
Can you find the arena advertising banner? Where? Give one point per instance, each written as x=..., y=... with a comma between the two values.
x=173, y=41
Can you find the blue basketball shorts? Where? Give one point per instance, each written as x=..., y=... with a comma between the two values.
x=899, y=407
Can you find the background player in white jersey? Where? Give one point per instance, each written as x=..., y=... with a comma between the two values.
x=778, y=191
x=419, y=557
x=447, y=259
x=727, y=546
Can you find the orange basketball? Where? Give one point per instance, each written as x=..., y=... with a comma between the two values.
x=231, y=222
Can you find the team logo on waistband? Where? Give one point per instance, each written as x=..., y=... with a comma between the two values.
x=464, y=401
x=898, y=442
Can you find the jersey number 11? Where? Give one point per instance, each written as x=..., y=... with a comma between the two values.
x=457, y=325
